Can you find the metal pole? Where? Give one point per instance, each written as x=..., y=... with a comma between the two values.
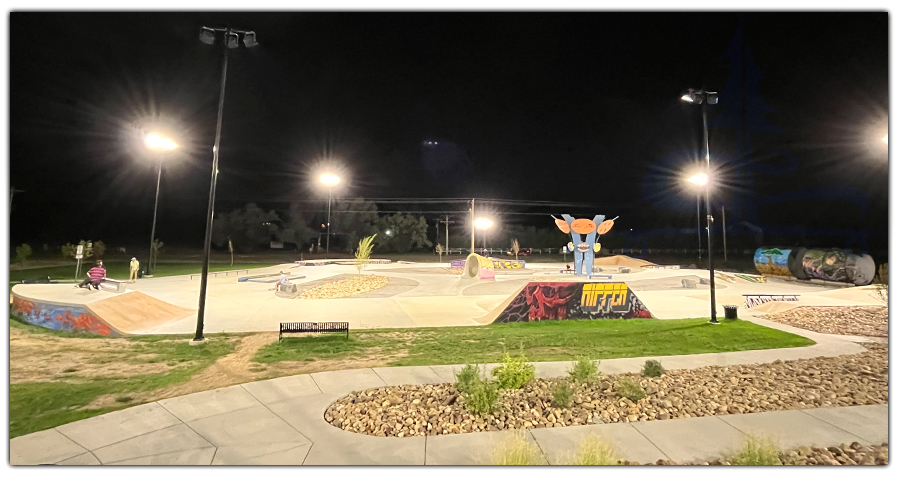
x=472, y=221
x=328, y=236
x=712, y=271
x=724, y=241
x=447, y=231
x=153, y=229
x=204, y=272
x=699, y=241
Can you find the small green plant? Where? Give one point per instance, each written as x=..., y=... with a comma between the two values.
x=517, y=450
x=652, y=369
x=629, y=388
x=595, y=451
x=22, y=253
x=562, y=393
x=515, y=248
x=756, y=450
x=364, y=253
x=467, y=376
x=584, y=370
x=513, y=373
x=483, y=397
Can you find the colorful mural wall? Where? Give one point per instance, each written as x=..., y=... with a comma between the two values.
x=478, y=266
x=540, y=301
x=508, y=264
x=60, y=317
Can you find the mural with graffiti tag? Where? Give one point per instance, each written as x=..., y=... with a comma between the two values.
x=60, y=317
x=541, y=301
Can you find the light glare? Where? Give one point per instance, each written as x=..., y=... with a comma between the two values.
x=157, y=142
x=483, y=223
x=329, y=179
x=699, y=179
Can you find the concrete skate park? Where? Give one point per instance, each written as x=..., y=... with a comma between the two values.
x=416, y=295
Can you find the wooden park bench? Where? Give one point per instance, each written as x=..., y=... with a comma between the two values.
x=314, y=327
x=118, y=285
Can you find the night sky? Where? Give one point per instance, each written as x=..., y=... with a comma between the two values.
x=568, y=107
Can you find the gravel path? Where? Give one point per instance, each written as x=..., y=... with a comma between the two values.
x=869, y=321
x=435, y=409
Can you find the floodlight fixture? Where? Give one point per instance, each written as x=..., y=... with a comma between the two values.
x=250, y=39
x=699, y=179
x=231, y=40
x=207, y=35
x=329, y=179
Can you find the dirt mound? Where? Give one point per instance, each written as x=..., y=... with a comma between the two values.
x=622, y=260
x=136, y=311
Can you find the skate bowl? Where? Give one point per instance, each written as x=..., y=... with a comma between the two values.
x=110, y=315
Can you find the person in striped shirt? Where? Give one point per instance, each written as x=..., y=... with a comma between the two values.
x=94, y=276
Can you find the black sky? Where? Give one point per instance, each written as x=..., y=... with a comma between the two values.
x=531, y=106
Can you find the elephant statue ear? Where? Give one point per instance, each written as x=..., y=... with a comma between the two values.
x=571, y=246
x=596, y=247
x=605, y=226
x=563, y=226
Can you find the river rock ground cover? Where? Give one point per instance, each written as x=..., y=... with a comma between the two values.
x=435, y=409
x=869, y=321
x=845, y=454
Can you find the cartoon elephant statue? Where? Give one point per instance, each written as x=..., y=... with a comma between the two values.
x=584, y=239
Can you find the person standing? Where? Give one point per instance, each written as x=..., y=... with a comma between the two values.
x=94, y=277
x=135, y=266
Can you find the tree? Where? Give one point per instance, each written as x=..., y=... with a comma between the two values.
x=296, y=227
x=515, y=248
x=22, y=253
x=440, y=251
x=70, y=250
x=249, y=228
x=99, y=249
x=364, y=252
x=406, y=233
x=354, y=219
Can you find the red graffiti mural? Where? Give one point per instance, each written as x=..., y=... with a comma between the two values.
x=58, y=317
x=540, y=301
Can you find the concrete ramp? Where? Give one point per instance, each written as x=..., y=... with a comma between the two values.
x=135, y=311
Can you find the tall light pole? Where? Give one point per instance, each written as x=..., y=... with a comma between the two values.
x=704, y=98
x=699, y=180
x=160, y=145
x=230, y=41
x=330, y=181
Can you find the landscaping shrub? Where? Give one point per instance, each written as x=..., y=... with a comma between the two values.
x=562, y=394
x=595, y=451
x=629, y=388
x=517, y=449
x=652, y=369
x=23, y=252
x=466, y=377
x=513, y=373
x=585, y=370
x=756, y=450
x=482, y=398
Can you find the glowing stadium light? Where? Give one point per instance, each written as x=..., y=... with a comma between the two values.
x=329, y=179
x=157, y=142
x=483, y=223
x=699, y=179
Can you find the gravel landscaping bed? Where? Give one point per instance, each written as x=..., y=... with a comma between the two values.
x=845, y=454
x=344, y=288
x=869, y=321
x=435, y=409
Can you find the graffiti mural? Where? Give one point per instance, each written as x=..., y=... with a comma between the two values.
x=60, y=317
x=753, y=300
x=837, y=265
x=508, y=264
x=541, y=301
x=772, y=261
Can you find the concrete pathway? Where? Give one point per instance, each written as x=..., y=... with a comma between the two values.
x=280, y=422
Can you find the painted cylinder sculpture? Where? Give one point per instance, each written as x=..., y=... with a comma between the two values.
x=584, y=239
x=832, y=264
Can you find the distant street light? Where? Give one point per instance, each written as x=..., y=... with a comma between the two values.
x=330, y=181
x=484, y=224
x=208, y=36
x=704, y=98
x=160, y=145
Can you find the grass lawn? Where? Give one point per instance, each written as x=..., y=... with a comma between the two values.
x=58, y=377
x=35, y=406
x=540, y=341
x=120, y=270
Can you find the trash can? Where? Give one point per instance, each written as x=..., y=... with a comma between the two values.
x=730, y=312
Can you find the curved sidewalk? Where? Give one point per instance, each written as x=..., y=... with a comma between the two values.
x=280, y=422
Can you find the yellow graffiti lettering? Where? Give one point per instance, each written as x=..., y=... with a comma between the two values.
x=602, y=296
